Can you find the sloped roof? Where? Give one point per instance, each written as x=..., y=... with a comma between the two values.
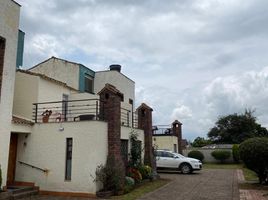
x=112, y=89
x=19, y=120
x=46, y=78
x=16, y=2
x=143, y=105
x=53, y=57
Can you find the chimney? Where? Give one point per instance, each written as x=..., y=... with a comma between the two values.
x=115, y=67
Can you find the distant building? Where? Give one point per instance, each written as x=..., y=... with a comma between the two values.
x=169, y=137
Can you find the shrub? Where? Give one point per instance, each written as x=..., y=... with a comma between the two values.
x=254, y=153
x=146, y=171
x=129, y=184
x=135, y=174
x=110, y=175
x=235, y=151
x=221, y=155
x=135, y=150
x=196, y=154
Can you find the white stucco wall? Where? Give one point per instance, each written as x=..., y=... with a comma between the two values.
x=21, y=128
x=9, y=24
x=121, y=82
x=46, y=148
x=165, y=142
x=83, y=95
x=25, y=94
x=49, y=91
x=31, y=89
x=61, y=70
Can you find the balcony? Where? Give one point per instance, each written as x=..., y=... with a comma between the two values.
x=78, y=110
x=162, y=130
x=67, y=111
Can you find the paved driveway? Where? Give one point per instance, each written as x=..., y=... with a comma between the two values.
x=212, y=184
x=209, y=184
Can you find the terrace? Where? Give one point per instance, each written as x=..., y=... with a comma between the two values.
x=162, y=130
x=77, y=110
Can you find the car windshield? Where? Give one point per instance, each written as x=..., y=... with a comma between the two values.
x=179, y=155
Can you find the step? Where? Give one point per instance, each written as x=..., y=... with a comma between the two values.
x=19, y=189
x=5, y=195
x=24, y=194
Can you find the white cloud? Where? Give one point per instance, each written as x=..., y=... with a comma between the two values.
x=193, y=60
x=182, y=112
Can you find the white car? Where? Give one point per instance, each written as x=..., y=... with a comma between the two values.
x=170, y=160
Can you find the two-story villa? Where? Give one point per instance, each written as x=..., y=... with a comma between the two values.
x=69, y=118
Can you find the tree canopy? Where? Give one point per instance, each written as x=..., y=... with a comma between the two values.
x=200, y=142
x=236, y=128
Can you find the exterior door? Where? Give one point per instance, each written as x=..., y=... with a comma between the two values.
x=12, y=158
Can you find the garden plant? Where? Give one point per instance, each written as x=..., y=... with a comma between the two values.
x=221, y=155
x=196, y=154
x=254, y=153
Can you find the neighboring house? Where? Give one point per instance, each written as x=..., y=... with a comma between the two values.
x=9, y=25
x=168, y=137
x=63, y=133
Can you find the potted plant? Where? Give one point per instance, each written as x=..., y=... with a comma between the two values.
x=46, y=114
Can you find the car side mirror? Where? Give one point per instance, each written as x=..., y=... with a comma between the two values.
x=176, y=157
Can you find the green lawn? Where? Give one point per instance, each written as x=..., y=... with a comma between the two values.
x=222, y=166
x=250, y=175
x=143, y=189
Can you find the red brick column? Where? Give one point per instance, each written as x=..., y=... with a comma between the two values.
x=145, y=123
x=2, y=55
x=176, y=126
x=111, y=107
x=111, y=111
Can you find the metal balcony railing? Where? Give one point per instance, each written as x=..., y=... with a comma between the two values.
x=78, y=110
x=126, y=117
x=162, y=130
x=63, y=111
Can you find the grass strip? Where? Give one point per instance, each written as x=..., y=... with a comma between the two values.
x=142, y=189
x=222, y=166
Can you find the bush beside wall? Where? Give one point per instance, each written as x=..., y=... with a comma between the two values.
x=196, y=154
x=235, y=151
x=208, y=158
x=221, y=155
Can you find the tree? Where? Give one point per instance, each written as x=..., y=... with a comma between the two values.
x=200, y=142
x=236, y=128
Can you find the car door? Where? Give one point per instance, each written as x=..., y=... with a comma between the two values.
x=170, y=160
x=167, y=159
x=159, y=159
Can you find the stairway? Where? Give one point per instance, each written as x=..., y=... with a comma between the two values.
x=4, y=195
x=18, y=192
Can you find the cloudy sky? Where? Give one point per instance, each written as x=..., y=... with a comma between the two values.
x=192, y=60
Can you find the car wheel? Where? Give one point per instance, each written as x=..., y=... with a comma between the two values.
x=185, y=168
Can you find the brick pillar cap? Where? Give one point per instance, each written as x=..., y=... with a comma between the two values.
x=176, y=122
x=113, y=89
x=143, y=105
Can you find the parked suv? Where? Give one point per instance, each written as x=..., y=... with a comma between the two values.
x=170, y=160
